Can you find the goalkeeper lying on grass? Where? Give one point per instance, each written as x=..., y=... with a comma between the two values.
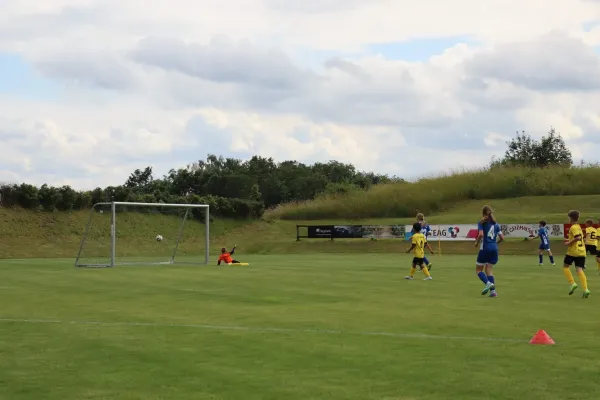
x=227, y=259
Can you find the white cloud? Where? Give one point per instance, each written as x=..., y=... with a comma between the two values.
x=553, y=62
x=331, y=24
x=167, y=84
x=494, y=139
x=561, y=121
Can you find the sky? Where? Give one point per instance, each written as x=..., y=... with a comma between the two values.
x=90, y=90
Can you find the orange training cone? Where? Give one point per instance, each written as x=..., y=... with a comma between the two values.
x=541, y=337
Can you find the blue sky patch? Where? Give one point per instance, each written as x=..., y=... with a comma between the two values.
x=412, y=51
x=416, y=50
x=589, y=25
x=18, y=78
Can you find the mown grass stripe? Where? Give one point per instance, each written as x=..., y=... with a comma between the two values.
x=259, y=329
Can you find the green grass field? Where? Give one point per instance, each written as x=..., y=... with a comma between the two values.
x=294, y=327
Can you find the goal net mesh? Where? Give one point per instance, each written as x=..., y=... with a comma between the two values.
x=181, y=230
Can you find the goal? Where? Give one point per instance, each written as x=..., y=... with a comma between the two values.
x=128, y=233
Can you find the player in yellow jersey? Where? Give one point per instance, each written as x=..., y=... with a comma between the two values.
x=576, y=255
x=591, y=238
x=598, y=253
x=418, y=249
x=425, y=230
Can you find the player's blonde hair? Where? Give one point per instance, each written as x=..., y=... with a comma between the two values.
x=488, y=214
x=420, y=217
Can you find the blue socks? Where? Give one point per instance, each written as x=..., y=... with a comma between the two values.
x=426, y=261
x=542, y=259
x=483, y=277
x=492, y=280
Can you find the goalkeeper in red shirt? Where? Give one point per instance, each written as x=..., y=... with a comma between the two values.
x=226, y=257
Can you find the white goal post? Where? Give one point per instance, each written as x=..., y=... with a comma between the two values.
x=152, y=234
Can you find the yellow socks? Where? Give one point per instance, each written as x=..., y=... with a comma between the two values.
x=582, y=279
x=569, y=275
x=426, y=272
x=412, y=271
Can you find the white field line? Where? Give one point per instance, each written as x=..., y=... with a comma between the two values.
x=260, y=329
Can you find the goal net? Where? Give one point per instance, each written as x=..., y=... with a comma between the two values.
x=124, y=233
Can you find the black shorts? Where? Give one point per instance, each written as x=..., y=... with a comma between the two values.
x=578, y=261
x=418, y=261
x=590, y=248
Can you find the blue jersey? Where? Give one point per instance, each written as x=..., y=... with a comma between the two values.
x=490, y=236
x=543, y=234
x=544, y=241
x=425, y=230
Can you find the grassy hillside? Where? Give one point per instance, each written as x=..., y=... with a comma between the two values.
x=25, y=234
x=439, y=194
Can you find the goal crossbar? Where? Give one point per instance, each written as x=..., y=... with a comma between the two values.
x=113, y=232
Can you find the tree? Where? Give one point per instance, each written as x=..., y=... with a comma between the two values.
x=139, y=179
x=552, y=150
x=255, y=193
x=48, y=196
x=525, y=151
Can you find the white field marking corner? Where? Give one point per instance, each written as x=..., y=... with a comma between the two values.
x=260, y=329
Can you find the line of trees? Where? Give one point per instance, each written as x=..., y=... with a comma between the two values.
x=244, y=189
x=232, y=187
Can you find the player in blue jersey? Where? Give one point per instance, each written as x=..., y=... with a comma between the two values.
x=544, y=234
x=487, y=241
x=426, y=231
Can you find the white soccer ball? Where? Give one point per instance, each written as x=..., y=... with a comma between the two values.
x=159, y=238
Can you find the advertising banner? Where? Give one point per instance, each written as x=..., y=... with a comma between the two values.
x=458, y=232
x=383, y=232
x=530, y=230
x=448, y=232
x=320, y=231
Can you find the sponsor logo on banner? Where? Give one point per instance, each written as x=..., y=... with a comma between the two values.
x=383, y=232
x=319, y=232
x=448, y=232
x=347, y=231
x=530, y=230
x=556, y=230
x=516, y=230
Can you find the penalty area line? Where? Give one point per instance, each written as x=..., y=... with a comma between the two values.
x=262, y=329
